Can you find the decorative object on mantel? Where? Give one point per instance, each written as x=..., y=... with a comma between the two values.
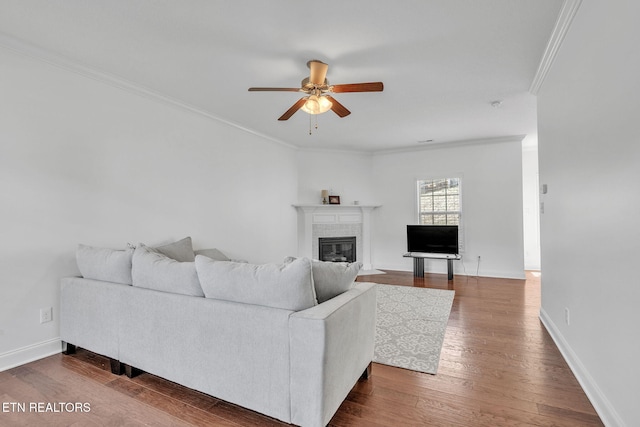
x=334, y=200
x=325, y=194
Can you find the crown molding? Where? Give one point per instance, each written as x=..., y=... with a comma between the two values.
x=452, y=144
x=565, y=18
x=345, y=151
x=55, y=60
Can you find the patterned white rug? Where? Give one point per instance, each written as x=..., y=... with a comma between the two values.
x=410, y=326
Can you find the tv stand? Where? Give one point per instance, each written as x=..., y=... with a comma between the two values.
x=419, y=257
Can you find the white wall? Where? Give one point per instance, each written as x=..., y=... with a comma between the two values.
x=531, y=207
x=491, y=175
x=347, y=174
x=589, y=154
x=84, y=162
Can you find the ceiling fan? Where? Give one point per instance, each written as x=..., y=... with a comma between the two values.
x=317, y=88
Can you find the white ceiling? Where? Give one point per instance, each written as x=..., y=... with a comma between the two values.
x=442, y=61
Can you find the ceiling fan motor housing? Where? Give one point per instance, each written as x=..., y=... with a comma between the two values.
x=308, y=87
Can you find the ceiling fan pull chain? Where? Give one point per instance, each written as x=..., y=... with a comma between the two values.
x=309, y=124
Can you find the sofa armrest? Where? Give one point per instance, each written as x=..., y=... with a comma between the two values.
x=331, y=345
x=91, y=314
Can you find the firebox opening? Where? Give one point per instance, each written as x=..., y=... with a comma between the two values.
x=338, y=249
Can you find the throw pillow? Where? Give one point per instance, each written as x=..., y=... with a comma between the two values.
x=182, y=250
x=109, y=265
x=153, y=270
x=332, y=278
x=213, y=254
x=287, y=286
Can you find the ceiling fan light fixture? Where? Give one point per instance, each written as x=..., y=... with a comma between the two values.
x=316, y=105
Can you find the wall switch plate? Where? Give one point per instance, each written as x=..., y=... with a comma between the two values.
x=46, y=315
x=543, y=189
x=567, y=317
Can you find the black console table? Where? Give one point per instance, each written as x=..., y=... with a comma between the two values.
x=418, y=262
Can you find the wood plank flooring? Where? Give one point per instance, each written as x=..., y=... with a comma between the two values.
x=499, y=367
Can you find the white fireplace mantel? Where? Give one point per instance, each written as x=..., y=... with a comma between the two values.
x=338, y=217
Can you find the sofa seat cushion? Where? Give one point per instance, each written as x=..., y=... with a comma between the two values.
x=153, y=270
x=330, y=279
x=108, y=265
x=288, y=286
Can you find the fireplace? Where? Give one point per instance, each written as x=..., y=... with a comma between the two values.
x=323, y=221
x=337, y=249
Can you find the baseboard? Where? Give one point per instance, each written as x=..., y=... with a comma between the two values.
x=27, y=354
x=498, y=274
x=603, y=407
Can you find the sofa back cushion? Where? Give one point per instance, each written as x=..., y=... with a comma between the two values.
x=330, y=279
x=287, y=286
x=108, y=265
x=153, y=270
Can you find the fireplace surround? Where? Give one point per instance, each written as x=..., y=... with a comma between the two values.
x=320, y=221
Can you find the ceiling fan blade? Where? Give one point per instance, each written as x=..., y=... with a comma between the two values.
x=295, y=107
x=274, y=89
x=338, y=108
x=318, y=71
x=358, y=87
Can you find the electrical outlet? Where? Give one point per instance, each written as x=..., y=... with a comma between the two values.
x=46, y=315
x=567, y=317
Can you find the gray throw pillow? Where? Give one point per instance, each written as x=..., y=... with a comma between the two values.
x=182, y=250
x=213, y=254
x=109, y=265
x=332, y=278
x=287, y=286
x=153, y=270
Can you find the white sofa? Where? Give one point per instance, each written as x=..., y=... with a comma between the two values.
x=293, y=365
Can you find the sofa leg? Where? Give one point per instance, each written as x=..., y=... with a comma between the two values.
x=130, y=371
x=68, y=348
x=367, y=372
x=116, y=366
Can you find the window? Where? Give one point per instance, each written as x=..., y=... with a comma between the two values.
x=440, y=203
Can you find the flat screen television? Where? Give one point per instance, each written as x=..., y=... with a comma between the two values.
x=433, y=239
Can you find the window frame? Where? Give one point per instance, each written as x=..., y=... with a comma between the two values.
x=418, y=212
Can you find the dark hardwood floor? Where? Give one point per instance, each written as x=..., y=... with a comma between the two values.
x=499, y=367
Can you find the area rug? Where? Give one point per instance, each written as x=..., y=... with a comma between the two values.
x=410, y=326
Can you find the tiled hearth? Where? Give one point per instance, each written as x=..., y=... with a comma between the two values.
x=315, y=221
